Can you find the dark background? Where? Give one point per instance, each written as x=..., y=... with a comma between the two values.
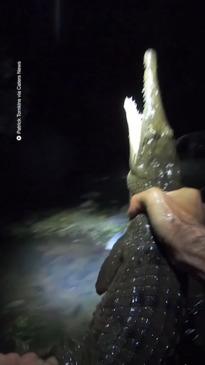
x=79, y=61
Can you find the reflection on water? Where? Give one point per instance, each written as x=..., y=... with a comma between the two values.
x=48, y=272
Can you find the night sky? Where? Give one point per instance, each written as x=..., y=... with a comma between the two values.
x=79, y=61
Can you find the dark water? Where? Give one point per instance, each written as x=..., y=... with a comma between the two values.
x=49, y=265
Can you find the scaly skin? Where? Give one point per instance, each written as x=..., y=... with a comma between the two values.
x=138, y=318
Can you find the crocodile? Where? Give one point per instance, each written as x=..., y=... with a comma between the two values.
x=139, y=318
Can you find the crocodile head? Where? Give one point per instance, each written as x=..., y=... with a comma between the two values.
x=153, y=159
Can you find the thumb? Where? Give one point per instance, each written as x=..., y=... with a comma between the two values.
x=136, y=205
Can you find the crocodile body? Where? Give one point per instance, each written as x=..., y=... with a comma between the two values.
x=138, y=319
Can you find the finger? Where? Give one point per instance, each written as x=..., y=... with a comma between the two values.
x=136, y=205
x=30, y=359
x=146, y=200
x=51, y=361
x=10, y=359
x=109, y=268
x=3, y=360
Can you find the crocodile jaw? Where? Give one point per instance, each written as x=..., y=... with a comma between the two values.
x=152, y=147
x=134, y=121
x=153, y=108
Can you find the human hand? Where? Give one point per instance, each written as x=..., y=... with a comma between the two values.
x=26, y=359
x=177, y=217
x=169, y=211
x=163, y=207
